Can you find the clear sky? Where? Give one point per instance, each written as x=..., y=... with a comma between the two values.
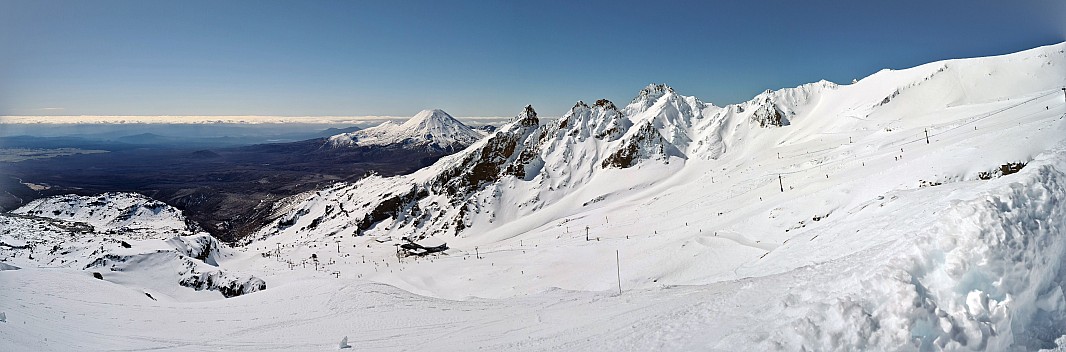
x=470, y=58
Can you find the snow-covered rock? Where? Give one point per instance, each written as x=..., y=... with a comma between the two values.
x=124, y=238
x=525, y=166
x=129, y=213
x=644, y=142
x=521, y=167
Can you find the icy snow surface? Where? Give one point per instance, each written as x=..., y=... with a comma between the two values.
x=811, y=218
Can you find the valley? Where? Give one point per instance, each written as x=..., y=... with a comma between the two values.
x=227, y=190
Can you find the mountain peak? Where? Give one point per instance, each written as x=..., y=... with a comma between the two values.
x=431, y=113
x=606, y=104
x=654, y=91
x=528, y=117
x=648, y=97
x=600, y=103
x=431, y=116
x=433, y=128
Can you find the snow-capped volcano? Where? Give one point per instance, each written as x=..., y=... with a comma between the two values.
x=428, y=129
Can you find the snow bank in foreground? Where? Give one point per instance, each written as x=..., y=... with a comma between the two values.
x=989, y=276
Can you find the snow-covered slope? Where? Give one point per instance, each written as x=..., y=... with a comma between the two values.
x=915, y=209
x=428, y=129
x=124, y=238
x=128, y=213
x=984, y=272
x=515, y=171
x=527, y=166
x=703, y=193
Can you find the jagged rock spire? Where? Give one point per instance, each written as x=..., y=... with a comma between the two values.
x=528, y=117
x=606, y=104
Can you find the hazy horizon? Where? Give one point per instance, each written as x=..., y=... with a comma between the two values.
x=214, y=119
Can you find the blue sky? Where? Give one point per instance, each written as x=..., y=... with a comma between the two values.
x=470, y=58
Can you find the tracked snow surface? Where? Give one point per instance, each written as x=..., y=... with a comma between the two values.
x=433, y=129
x=917, y=209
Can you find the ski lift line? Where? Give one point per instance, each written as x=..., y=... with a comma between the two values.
x=810, y=152
x=755, y=186
x=978, y=117
x=971, y=122
x=770, y=177
x=987, y=115
x=941, y=132
x=971, y=119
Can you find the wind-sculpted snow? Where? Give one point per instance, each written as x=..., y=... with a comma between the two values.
x=988, y=275
x=992, y=273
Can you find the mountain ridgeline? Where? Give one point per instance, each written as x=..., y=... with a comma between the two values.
x=523, y=166
x=527, y=165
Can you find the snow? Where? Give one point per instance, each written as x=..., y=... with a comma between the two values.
x=127, y=239
x=122, y=212
x=433, y=128
x=843, y=229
